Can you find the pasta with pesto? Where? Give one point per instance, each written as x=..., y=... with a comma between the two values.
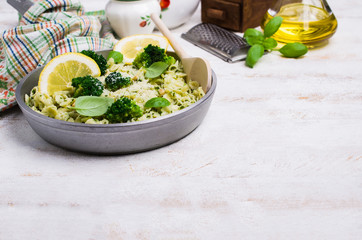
x=170, y=85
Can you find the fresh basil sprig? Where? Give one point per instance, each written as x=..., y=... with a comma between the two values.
x=255, y=52
x=261, y=42
x=92, y=106
x=117, y=56
x=253, y=36
x=270, y=43
x=157, y=102
x=156, y=69
x=272, y=26
x=293, y=50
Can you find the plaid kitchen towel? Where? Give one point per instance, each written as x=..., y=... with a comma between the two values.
x=47, y=29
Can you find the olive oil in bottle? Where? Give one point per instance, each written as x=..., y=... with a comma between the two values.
x=303, y=22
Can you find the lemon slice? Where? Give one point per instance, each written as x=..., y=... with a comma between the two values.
x=57, y=75
x=130, y=46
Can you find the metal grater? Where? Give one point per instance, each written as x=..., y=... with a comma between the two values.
x=218, y=41
x=21, y=5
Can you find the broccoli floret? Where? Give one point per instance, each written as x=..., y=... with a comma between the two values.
x=99, y=59
x=123, y=110
x=115, y=81
x=87, y=86
x=150, y=55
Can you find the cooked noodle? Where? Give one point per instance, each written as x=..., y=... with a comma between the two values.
x=170, y=85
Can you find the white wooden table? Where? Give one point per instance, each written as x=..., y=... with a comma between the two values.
x=278, y=156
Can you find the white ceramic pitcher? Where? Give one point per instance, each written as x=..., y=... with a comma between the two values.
x=129, y=17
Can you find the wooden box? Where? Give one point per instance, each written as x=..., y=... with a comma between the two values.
x=235, y=15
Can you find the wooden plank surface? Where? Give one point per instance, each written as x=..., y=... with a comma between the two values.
x=278, y=156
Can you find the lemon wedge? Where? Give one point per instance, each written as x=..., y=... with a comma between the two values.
x=130, y=46
x=57, y=75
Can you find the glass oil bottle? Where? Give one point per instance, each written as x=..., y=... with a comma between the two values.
x=310, y=22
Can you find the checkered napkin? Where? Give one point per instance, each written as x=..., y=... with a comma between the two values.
x=47, y=29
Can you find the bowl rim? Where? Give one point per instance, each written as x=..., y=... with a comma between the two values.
x=134, y=125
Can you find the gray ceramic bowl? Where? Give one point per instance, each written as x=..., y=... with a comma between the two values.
x=119, y=138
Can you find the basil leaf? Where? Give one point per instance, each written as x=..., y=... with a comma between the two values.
x=253, y=36
x=117, y=56
x=272, y=26
x=251, y=32
x=157, y=102
x=270, y=43
x=254, y=54
x=156, y=69
x=293, y=50
x=92, y=106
